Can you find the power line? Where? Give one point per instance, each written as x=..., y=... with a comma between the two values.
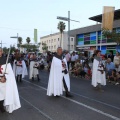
x=22, y=29
x=15, y=29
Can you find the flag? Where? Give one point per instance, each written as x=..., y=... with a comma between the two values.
x=108, y=17
x=35, y=35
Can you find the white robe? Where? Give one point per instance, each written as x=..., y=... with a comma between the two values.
x=9, y=91
x=20, y=70
x=55, y=83
x=97, y=77
x=33, y=72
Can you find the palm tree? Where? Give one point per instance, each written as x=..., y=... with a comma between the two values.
x=28, y=40
x=61, y=26
x=19, y=42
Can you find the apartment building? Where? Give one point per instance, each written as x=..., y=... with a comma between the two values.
x=53, y=42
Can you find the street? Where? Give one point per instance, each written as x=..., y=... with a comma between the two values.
x=86, y=103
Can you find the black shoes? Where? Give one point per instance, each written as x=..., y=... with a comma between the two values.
x=68, y=94
x=32, y=78
x=2, y=107
x=2, y=110
x=57, y=96
x=38, y=78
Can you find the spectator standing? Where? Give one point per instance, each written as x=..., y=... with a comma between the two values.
x=111, y=56
x=73, y=59
x=116, y=61
x=68, y=57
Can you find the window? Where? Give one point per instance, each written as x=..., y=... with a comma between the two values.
x=54, y=46
x=71, y=46
x=71, y=39
x=49, y=41
x=54, y=40
x=58, y=39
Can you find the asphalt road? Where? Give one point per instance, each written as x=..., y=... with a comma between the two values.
x=87, y=103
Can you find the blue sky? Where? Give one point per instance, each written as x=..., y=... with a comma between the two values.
x=22, y=16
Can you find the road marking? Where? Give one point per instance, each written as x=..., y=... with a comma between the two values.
x=93, y=99
x=96, y=101
x=81, y=104
x=45, y=115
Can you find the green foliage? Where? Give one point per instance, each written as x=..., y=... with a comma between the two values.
x=18, y=45
x=30, y=47
x=44, y=47
x=12, y=49
x=111, y=35
x=39, y=44
x=5, y=50
x=28, y=40
x=61, y=26
x=20, y=40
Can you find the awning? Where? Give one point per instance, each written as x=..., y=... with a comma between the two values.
x=98, y=18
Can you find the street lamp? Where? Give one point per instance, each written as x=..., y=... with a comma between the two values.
x=67, y=19
x=15, y=37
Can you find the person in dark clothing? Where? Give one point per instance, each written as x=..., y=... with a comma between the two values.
x=9, y=98
x=111, y=56
x=2, y=80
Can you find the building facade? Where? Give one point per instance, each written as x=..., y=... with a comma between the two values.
x=90, y=38
x=52, y=41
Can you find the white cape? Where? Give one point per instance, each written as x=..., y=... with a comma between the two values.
x=97, y=77
x=55, y=83
x=11, y=96
x=20, y=70
x=33, y=72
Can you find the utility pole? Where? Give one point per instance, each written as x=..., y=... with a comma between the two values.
x=2, y=43
x=15, y=37
x=68, y=20
x=68, y=30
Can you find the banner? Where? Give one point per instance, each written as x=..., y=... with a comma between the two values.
x=108, y=17
x=35, y=35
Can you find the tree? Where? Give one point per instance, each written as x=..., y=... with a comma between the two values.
x=111, y=35
x=44, y=47
x=12, y=49
x=39, y=44
x=19, y=42
x=32, y=48
x=5, y=49
x=28, y=40
x=61, y=26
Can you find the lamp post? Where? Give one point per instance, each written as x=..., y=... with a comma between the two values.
x=67, y=19
x=15, y=37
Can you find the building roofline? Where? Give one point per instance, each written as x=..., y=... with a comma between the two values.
x=52, y=35
x=98, y=18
